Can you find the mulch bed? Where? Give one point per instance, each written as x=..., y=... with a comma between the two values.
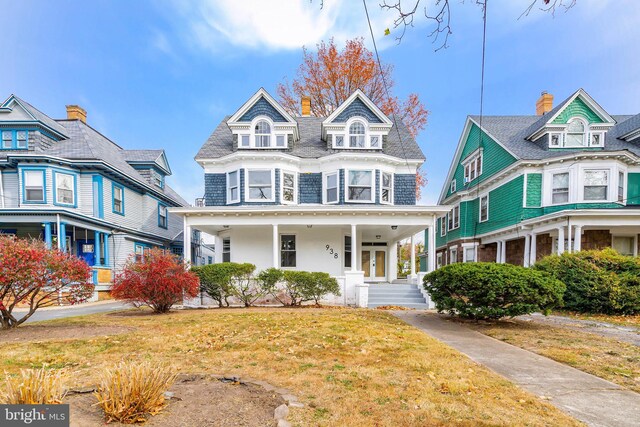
x=198, y=400
x=28, y=333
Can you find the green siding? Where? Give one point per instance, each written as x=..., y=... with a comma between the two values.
x=494, y=158
x=534, y=190
x=577, y=108
x=633, y=189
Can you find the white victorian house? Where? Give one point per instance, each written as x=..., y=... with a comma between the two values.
x=333, y=194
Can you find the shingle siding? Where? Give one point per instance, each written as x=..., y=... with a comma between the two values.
x=310, y=188
x=404, y=189
x=215, y=189
x=534, y=190
x=577, y=108
x=357, y=109
x=262, y=108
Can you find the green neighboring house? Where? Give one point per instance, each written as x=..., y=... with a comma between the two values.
x=523, y=187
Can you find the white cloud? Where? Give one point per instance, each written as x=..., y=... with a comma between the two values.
x=226, y=25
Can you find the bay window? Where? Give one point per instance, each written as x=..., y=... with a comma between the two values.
x=163, y=219
x=233, y=187
x=288, y=187
x=260, y=185
x=34, y=188
x=560, y=188
x=386, y=192
x=65, y=188
x=360, y=186
x=331, y=188
x=596, y=184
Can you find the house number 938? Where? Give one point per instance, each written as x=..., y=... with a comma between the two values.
x=331, y=251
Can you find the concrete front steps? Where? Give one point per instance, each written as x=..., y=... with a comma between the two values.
x=396, y=294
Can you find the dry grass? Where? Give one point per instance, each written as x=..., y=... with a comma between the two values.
x=33, y=387
x=628, y=320
x=350, y=367
x=616, y=361
x=131, y=391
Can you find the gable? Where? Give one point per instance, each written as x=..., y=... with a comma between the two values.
x=12, y=111
x=163, y=163
x=494, y=158
x=262, y=107
x=577, y=107
x=357, y=108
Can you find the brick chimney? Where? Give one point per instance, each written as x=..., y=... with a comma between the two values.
x=306, y=106
x=544, y=104
x=76, y=112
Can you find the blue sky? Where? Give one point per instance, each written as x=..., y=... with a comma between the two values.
x=162, y=74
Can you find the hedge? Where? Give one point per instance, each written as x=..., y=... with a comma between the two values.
x=492, y=291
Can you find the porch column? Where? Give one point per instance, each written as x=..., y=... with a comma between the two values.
x=186, y=250
x=62, y=237
x=413, y=257
x=560, y=240
x=106, y=249
x=577, y=239
x=96, y=247
x=354, y=248
x=47, y=235
x=503, y=251
x=533, y=253
x=527, y=247
x=217, y=248
x=498, y=251
x=275, y=246
x=431, y=251
x=393, y=261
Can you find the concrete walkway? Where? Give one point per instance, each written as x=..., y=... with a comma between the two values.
x=50, y=313
x=589, y=399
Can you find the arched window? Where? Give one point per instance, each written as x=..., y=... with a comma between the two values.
x=263, y=134
x=576, y=132
x=356, y=135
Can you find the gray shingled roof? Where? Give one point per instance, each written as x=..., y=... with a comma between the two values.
x=511, y=132
x=142, y=155
x=39, y=115
x=627, y=126
x=310, y=145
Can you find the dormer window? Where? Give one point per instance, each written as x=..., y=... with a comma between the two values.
x=576, y=132
x=263, y=134
x=356, y=135
x=158, y=179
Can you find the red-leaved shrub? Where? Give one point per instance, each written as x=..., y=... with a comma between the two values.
x=34, y=276
x=159, y=281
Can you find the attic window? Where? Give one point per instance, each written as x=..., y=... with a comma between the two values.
x=576, y=133
x=473, y=166
x=356, y=135
x=263, y=134
x=158, y=180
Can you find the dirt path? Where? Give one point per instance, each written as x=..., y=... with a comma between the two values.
x=622, y=333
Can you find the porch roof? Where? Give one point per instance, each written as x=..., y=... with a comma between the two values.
x=313, y=210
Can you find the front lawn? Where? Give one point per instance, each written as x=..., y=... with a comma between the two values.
x=349, y=367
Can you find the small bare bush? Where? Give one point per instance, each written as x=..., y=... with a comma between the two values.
x=33, y=387
x=130, y=392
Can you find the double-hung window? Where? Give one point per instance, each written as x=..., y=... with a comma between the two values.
x=576, y=133
x=454, y=218
x=287, y=250
x=452, y=188
x=338, y=141
x=233, y=187
x=484, y=208
x=141, y=251
x=263, y=134
x=260, y=185
x=560, y=189
x=34, y=188
x=226, y=250
x=596, y=183
x=163, y=216
x=331, y=187
x=65, y=188
x=356, y=135
x=621, y=187
x=360, y=186
x=288, y=187
x=347, y=251
x=443, y=226
x=7, y=139
x=473, y=167
x=386, y=192
x=118, y=199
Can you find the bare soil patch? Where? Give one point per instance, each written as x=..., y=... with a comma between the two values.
x=59, y=332
x=198, y=400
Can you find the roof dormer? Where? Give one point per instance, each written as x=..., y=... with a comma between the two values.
x=356, y=124
x=262, y=123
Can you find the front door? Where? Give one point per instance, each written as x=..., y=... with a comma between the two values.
x=374, y=264
x=86, y=251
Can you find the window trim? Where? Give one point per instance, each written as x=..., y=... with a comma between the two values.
x=553, y=174
x=587, y=135
x=14, y=139
x=453, y=186
x=622, y=185
x=365, y=134
x=295, y=187
x=451, y=224
x=484, y=196
x=346, y=136
x=228, y=198
x=223, y=252
x=390, y=188
x=115, y=185
x=44, y=185
x=452, y=250
x=74, y=176
x=443, y=225
x=465, y=247
x=473, y=158
x=273, y=136
x=325, y=178
x=295, y=251
x=247, y=185
x=145, y=247
x=347, y=172
x=166, y=217
x=607, y=196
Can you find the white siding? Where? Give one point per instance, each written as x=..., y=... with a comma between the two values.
x=85, y=194
x=11, y=190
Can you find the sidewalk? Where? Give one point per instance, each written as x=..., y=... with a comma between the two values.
x=63, y=307
x=589, y=399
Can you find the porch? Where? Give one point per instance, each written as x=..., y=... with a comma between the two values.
x=355, y=244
